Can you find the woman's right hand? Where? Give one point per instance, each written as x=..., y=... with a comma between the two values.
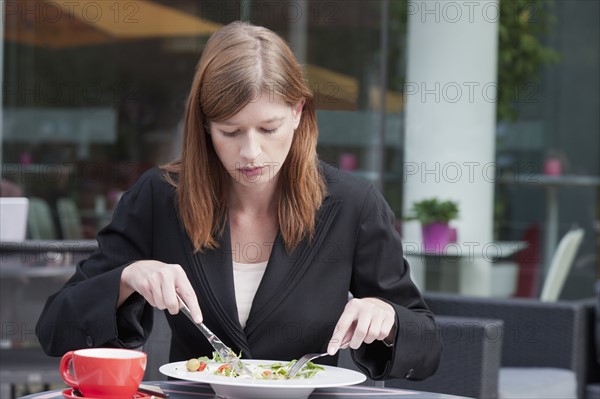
x=159, y=283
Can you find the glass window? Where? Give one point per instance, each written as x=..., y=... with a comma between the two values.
x=94, y=92
x=548, y=149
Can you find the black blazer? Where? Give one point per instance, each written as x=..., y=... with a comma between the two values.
x=299, y=300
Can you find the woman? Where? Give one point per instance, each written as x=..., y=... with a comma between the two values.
x=261, y=240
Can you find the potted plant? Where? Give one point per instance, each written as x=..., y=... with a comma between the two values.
x=434, y=216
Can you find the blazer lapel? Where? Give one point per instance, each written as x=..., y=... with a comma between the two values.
x=213, y=272
x=285, y=270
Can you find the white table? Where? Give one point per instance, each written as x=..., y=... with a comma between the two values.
x=448, y=270
x=552, y=185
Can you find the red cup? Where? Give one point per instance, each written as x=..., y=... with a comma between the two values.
x=104, y=373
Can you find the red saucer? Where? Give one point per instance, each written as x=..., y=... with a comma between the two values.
x=68, y=394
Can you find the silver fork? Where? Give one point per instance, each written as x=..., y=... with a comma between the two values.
x=296, y=367
x=225, y=352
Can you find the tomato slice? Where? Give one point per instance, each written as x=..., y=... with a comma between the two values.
x=202, y=366
x=223, y=367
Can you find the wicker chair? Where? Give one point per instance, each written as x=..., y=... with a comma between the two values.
x=470, y=361
x=541, y=342
x=593, y=369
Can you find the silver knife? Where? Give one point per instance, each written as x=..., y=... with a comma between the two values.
x=225, y=352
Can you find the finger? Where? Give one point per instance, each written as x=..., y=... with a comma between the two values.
x=151, y=301
x=163, y=290
x=157, y=295
x=344, y=341
x=342, y=331
x=374, y=329
x=386, y=327
x=135, y=277
x=190, y=299
x=188, y=295
x=169, y=297
x=360, y=332
x=147, y=294
x=145, y=290
x=162, y=286
x=348, y=336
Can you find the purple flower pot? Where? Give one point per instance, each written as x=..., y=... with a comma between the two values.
x=436, y=236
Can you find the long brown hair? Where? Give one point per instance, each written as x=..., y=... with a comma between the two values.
x=238, y=60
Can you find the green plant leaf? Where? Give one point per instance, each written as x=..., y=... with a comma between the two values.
x=433, y=210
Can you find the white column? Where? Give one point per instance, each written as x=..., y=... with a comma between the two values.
x=450, y=120
x=298, y=23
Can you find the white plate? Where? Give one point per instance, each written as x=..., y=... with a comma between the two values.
x=245, y=388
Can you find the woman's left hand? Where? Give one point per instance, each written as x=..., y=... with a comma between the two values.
x=363, y=320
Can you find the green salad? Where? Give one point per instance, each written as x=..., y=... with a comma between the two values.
x=274, y=371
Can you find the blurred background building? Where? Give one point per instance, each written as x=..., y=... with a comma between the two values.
x=93, y=95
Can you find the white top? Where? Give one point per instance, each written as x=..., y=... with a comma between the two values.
x=246, y=278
